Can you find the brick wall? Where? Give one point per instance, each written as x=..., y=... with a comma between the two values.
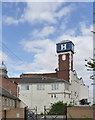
x=16, y=80
x=15, y=113
x=0, y=107
x=81, y=112
x=8, y=103
x=63, y=72
x=54, y=75
x=9, y=86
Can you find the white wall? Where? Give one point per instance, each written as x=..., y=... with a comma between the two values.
x=78, y=87
x=41, y=98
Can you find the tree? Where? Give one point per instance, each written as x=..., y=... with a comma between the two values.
x=91, y=66
x=58, y=108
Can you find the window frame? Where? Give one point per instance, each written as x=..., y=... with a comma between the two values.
x=7, y=102
x=10, y=103
x=24, y=87
x=66, y=86
x=40, y=87
x=3, y=103
x=55, y=86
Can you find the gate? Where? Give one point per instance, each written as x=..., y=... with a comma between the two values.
x=31, y=114
x=54, y=117
x=45, y=116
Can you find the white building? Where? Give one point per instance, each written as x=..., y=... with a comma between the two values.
x=79, y=90
x=44, y=89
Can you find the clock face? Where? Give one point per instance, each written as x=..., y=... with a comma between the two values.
x=63, y=57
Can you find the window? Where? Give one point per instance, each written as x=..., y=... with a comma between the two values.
x=7, y=102
x=13, y=102
x=24, y=87
x=66, y=86
x=40, y=87
x=10, y=103
x=53, y=96
x=3, y=101
x=69, y=95
x=55, y=86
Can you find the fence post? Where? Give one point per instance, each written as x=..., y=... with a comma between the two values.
x=36, y=112
x=45, y=112
x=4, y=114
x=66, y=111
x=25, y=113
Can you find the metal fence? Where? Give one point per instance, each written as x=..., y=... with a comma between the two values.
x=45, y=115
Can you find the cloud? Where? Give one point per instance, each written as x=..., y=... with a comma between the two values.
x=45, y=50
x=48, y=1
x=48, y=13
x=83, y=48
x=41, y=12
x=47, y=30
x=44, y=53
x=3, y=57
x=10, y=20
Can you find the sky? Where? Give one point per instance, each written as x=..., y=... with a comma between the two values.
x=31, y=30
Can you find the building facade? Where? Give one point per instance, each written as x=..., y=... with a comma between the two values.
x=8, y=100
x=43, y=91
x=37, y=89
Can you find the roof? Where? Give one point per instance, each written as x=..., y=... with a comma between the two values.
x=6, y=93
x=40, y=79
x=3, y=66
x=65, y=41
x=14, y=80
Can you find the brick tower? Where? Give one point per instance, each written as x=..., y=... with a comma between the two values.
x=65, y=51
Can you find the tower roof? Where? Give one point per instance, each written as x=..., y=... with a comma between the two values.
x=3, y=66
x=65, y=41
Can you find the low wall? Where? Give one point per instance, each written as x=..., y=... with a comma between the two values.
x=18, y=113
x=81, y=112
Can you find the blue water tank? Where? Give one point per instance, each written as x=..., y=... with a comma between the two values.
x=65, y=46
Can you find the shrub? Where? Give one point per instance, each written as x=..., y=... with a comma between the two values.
x=58, y=108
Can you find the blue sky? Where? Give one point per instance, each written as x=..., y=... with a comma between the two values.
x=31, y=31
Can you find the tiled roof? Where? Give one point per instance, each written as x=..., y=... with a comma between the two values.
x=40, y=79
x=5, y=93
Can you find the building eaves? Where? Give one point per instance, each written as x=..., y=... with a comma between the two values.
x=5, y=93
x=40, y=79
